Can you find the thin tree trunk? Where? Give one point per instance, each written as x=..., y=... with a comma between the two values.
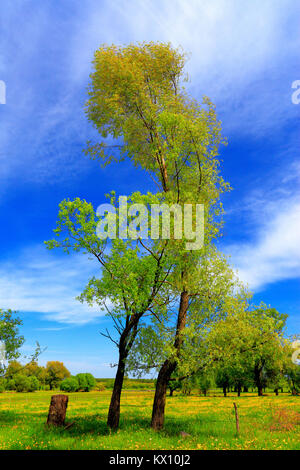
x=258, y=381
x=158, y=411
x=225, y=391
x=113, y=417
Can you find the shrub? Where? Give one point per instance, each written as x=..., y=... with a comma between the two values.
x=26, y=384
x=86, y=381
x=10, y=385
x=100, y=386
x=69, y=385
x=33, y=384
x=21, y=383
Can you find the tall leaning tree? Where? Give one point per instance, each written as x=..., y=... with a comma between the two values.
x=130, y=284
x=141, y=109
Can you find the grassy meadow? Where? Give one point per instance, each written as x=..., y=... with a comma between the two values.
x=267, y=422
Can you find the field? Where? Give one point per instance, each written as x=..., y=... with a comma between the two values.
x=267, y=422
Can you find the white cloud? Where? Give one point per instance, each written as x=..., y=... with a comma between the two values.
x=243, y=54
x=37, y=281
x=274, y=254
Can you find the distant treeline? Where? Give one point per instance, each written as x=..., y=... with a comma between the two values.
x=133, y=384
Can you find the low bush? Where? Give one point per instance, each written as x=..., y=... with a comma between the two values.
x=69, y=385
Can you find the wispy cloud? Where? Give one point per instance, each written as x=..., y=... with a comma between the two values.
x=243, y=54
x=41, y=282
x=272, y=253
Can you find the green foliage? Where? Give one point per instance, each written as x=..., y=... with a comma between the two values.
x=14, y=367
x=81, y=382
x=222, y=378
x=69, y=385
x=3, y=384
x=9, y=335
x=23, y=383
x=218, y=294
x=292, y=370
x=55, y=373
x=128, y=384
x=293, y=376
x=34, y=384
x=174, y=382
x=247, y=348
x=203, y=381
x=100, y=386
x=33, y=369
x=86, y=381
x=136, y=94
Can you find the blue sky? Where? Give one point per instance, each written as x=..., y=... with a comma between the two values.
x=243, y=55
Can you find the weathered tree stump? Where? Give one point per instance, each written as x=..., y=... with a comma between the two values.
x=57, y=410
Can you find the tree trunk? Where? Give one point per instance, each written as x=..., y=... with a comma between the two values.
x=159, y=403
x=57, y=410
x=276, y=391
x=225, y=391
x=158, y=411
x=258, y=381
x=245, y=389
x=113, y=417
x=239, y=391
x=171, y=392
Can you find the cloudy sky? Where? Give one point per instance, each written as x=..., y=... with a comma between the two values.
x=243, y=54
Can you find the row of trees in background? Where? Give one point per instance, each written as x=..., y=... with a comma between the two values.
x=241, y=351
x=247, y=351
x=32, y=377
x=279, y=378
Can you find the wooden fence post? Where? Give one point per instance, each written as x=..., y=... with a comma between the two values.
x=236, y=419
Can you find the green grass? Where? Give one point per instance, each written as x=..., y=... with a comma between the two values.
x=267, y=422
